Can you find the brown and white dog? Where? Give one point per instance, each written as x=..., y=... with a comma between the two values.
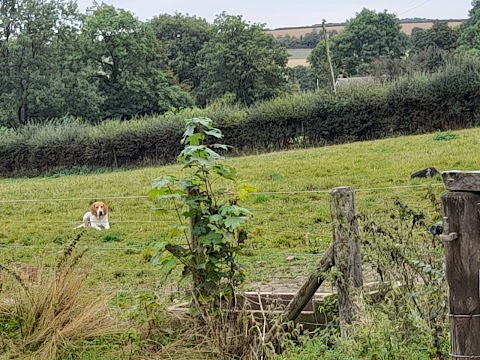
x=96, y=217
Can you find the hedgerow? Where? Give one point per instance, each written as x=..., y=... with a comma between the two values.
x=445, y=100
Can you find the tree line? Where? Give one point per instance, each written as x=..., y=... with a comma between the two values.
x=307, y=41
x=373, y=44
x=56, y=61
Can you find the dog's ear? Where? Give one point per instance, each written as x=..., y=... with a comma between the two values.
x=105, y=208
x=92, y=209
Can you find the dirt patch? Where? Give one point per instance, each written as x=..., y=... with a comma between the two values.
x=297, y=62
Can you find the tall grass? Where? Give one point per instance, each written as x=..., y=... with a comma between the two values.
x=53, y=309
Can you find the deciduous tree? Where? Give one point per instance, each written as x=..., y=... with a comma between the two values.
x=469, y=40
x=182, y=37
x=131, y=67
x=365, y=38
x=242, y=59
x=39, y=72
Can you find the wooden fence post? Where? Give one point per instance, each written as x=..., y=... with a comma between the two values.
x=461, y=239
x=346, y=250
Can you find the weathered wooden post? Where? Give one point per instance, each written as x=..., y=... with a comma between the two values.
x=461, y=238
x=346, y=250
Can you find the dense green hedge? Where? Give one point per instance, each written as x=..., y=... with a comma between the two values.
x=448, y=99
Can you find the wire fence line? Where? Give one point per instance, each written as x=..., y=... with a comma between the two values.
x=298, y=192
x=245, y=252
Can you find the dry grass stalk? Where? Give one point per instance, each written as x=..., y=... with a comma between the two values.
x=57, y=309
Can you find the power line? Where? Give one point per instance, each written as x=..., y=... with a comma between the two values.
x=413, y=8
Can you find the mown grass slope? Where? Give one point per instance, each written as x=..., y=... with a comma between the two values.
x=282, y=221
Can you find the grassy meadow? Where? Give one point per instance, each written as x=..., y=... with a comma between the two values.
x=291, y=211
x=298, y=57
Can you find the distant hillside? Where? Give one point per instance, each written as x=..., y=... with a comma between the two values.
x=407, y=27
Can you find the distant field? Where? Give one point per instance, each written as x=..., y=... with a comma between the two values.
x=297, y=62
x=299, y=53
x=406, y=27
x=298, y=57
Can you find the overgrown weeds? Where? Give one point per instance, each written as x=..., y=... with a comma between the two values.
x=401, y=251
x=406, y=317
x=52, y=310
x=228, y=333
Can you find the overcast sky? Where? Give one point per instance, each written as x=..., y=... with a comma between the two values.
x=284, y=13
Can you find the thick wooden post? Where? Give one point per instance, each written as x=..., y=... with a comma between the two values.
x=346, y=250
x=461, y=238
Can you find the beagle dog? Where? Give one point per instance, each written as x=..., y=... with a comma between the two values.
x=96, y=217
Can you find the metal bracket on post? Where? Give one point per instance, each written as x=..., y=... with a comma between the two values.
x=446, y=229
x=450, y=237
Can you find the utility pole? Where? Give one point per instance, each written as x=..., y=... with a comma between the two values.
x=327, y=48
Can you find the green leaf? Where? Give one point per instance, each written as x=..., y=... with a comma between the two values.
x=216, y=218
x=214, y=132
x=195, y=139
x=221, y=146
x=164, y=181
x=203, y=121
x=161, y=246
x=189, y=131
x=156, y=258
x=212, y=238
x=193, y=150
x=225, y=171
x=168, y=264
x=234, y=210
x=214, y=258
x=235, y=222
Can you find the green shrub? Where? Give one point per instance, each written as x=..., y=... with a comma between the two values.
x=444, y=136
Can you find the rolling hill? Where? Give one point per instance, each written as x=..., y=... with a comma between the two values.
x=407, y=28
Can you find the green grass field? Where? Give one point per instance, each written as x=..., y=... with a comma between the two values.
x=291, y=210
x=299, y=53
x=298, y=57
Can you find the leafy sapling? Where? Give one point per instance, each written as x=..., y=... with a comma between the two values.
x=211, y=230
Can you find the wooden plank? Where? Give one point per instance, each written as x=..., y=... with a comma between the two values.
x=346, y=249
x=456, y=180
x=462, y=266
x=303, y=296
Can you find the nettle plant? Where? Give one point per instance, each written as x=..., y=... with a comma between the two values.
x=210, y=235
